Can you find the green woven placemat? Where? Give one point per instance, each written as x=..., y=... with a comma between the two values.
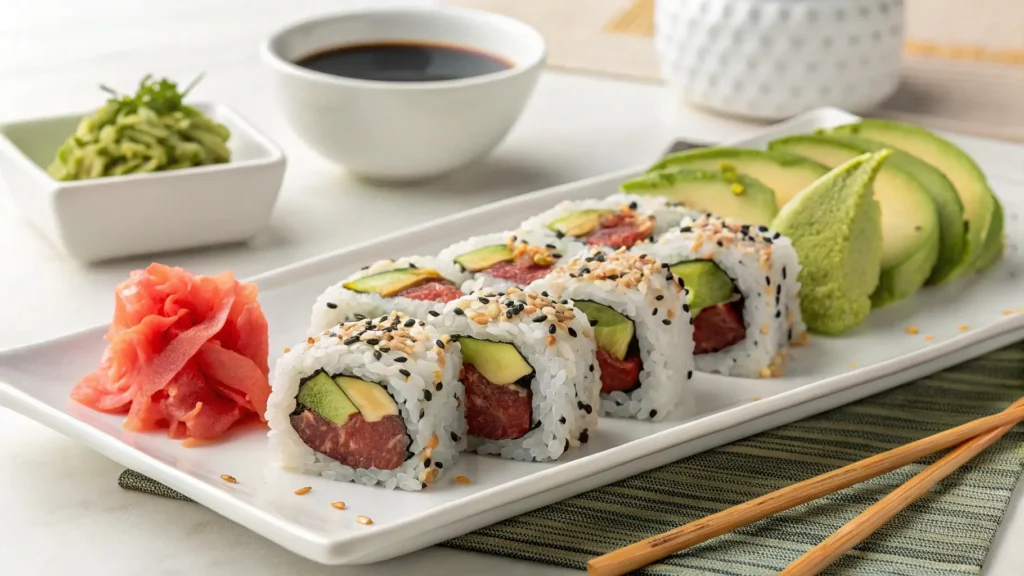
x=949, y=531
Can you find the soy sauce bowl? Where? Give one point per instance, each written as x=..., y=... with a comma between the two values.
x=402, y=131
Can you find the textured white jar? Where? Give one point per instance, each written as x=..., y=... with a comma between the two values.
x=771, y=59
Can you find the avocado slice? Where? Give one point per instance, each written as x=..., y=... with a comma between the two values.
x=391, y=282
x=969, y=181
x=836, y=229
x=613, y=332
x=708, y=284
x=726, y=194
x=786, y=174
x=483, y=258
x=910, y=220
x=578, y=224
x=947, y=202
x=321, y=395
x=499, y=362
x=995, y=243
x=372, y=400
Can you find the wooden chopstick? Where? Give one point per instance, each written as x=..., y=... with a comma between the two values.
x=829, y=550
x=657, y=547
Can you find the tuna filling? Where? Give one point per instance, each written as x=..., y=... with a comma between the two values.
x=522, y=270
x=433, y=290
x=496, y=411
x=618, y=230
x=717, y=327
x=357, y=443
x=620, y=375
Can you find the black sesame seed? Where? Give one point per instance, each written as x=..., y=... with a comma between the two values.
x=411, y=265
x=426, y=463
x=458, y=311
x=384, y=349
x=654, y=312
x=564, y=302
x=359, y=317
x=427, y=395
x=545, y=294
x=689, y=374
x=633, y=206
x=659, y=297
x=768, y=280
x=691, y=321
x=592, y=322
x=591, y=367
x=643, y=256
x=551, y=247
x=686, y=307
x=552, y=329
x=440, y=344
x=579, y=404
x=559, y=234
x=588, y=259
x=778, y=313
x=777, y=236
x=540, y=318
x=679, y=279
x=455, y=437
x=434, y=313
x=372, y=341
x=400, y=359
x=654, y=413
x=561, y=420
x=566, y=445
x=584, y=270
x=588, y=408
x=423, y=485
x=483, y=300
x=762, y=228
x=439, y=386
x=510, y=313
x=783, y=272
x=789, y=334
x=439, y=465
x=422, y=413
x=332, y=305
x=720, y=244
x=350, y=341
x=670, y=277
x=767, y=240
x=377, y=354
x=572, y=332
x=410, y=323
x=666, y=322
x=556, y=255
x=686, y=229
x=664, y=265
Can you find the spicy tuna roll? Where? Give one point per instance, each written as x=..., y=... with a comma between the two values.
x=373, y=402
x=620, y=220
x=530, y=373
x=641, y=326
x=412, y=285
x=507, y=259
x=744, y=293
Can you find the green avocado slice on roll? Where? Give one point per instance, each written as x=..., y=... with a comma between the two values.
x=836, y=229
x=708, y=284
x=613, y=332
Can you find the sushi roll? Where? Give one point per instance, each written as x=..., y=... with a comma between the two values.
x=529, y=370
x=373, y=402
x=744, y=293
x=641, y=325
x=413, y=285
x=620, y=220
x=507, y=259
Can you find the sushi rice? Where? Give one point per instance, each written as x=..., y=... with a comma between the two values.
x=764, y=267
x=428, y=398
x=338, y=304
x=638, y=287
x=560, y=348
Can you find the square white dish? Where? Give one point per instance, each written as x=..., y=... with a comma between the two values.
x=36, y=381
x=112, y=217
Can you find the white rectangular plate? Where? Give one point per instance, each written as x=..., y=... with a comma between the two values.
x=36, y=381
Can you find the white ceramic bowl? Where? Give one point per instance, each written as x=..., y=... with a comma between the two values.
x=405, y=131
x=771, y=59
x=104, y=218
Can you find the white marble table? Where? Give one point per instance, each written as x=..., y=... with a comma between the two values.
x=62, y=509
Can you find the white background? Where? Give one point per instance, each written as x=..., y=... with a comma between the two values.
x=61, y=508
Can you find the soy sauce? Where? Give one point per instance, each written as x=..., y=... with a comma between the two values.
x=404, y=62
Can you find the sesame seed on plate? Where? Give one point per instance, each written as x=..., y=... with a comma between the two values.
x=338, y=505
x=228, y=479
x=303, y=491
